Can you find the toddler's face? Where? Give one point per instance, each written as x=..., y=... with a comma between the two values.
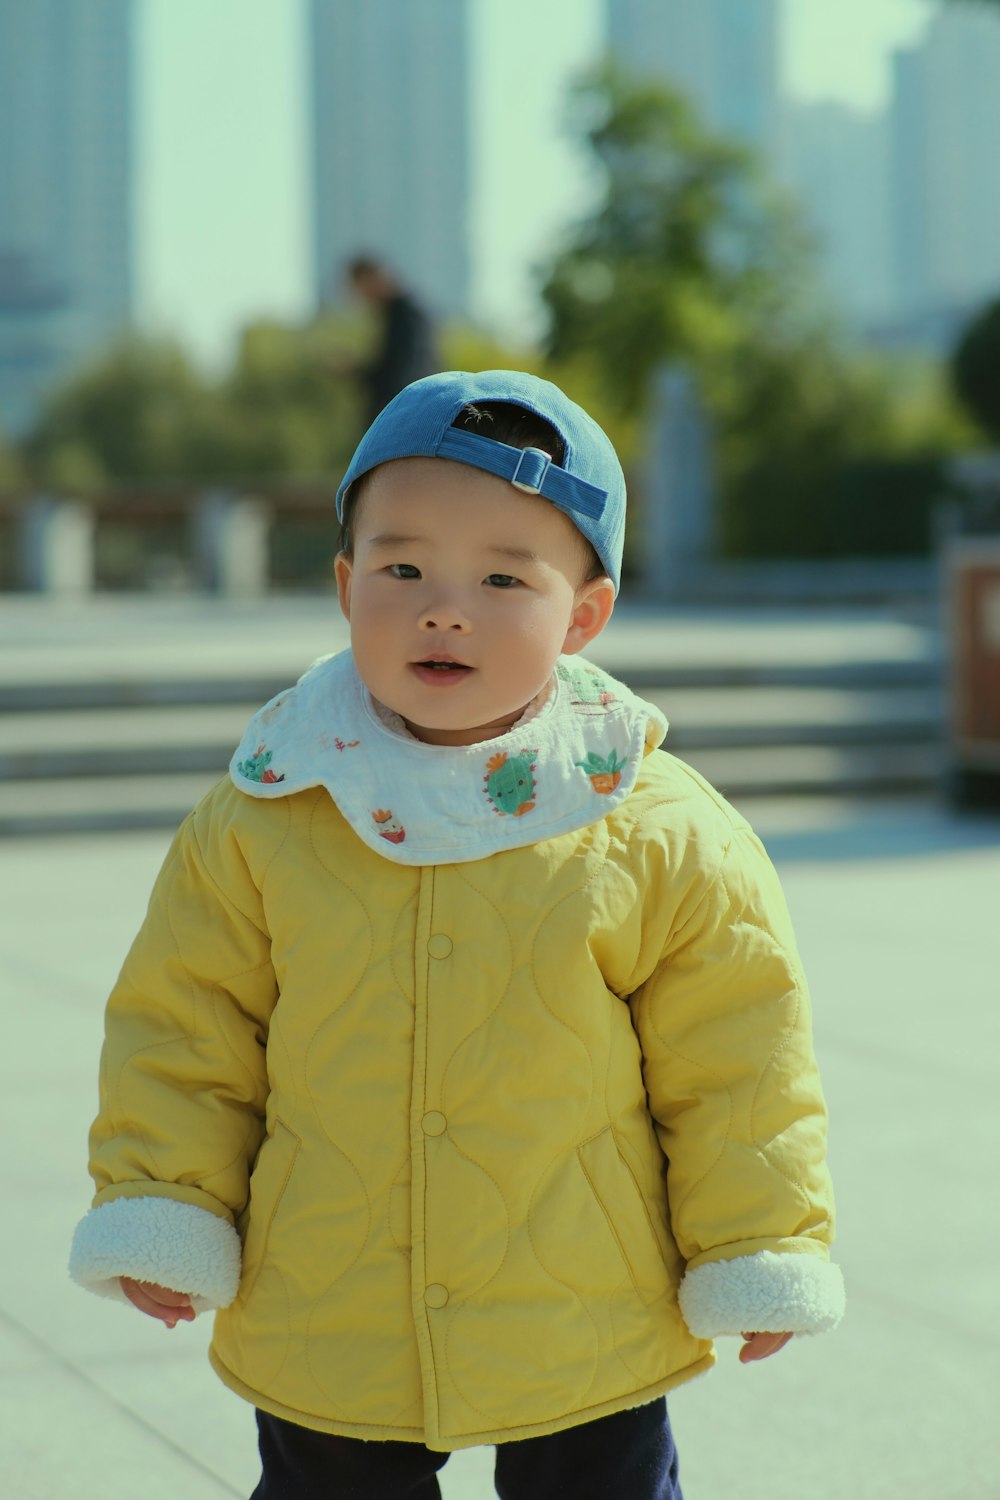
x=454, y=566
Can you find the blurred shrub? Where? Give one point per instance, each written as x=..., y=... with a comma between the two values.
x=144, y=412
x=10, y=466
x=885, y=507
x=827, y=456
x=975, y=370
x=285, y=410
x=128, y=415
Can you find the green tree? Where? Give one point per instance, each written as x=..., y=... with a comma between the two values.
x=685, y=247
x=975, y=369
x=689, y=255
x=127, y=417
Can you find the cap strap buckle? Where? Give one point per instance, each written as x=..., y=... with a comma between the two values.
x=529, y=474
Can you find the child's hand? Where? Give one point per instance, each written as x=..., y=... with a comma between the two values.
x=158, y=1301
x=761, y=1345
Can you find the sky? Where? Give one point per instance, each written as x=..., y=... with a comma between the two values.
x=222, y=151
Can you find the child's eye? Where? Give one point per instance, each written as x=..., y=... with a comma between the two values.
x=404, y=570
x=501, y=580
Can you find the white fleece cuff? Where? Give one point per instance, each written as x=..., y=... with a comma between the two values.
x=763, y=1293
x=161, y=1240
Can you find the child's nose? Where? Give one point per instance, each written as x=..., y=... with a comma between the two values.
x=444, y=614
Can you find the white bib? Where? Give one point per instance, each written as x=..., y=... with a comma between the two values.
x=422, y=804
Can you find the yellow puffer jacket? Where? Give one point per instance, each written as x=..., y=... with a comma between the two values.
x=474, y=1127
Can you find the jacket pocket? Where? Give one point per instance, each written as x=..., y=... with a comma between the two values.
x=268, y=1181
x=620, y=1200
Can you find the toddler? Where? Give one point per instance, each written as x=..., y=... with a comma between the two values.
x=463, y=1059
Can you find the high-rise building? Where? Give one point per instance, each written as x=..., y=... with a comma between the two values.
x=390, y=143
x=837, y=163
x=945, y=123
x=65, y=191
x=722, y=54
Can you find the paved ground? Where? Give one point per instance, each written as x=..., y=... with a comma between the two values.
x=131, y=636
x=896, y=906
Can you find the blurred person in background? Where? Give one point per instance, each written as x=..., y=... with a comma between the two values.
x=405, y=347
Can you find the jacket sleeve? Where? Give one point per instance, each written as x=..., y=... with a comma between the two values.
x=725, y=1028
x=183, y=1084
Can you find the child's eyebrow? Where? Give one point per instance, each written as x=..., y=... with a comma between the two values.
x=397, y=539
x=394, y=539
x=519, y=554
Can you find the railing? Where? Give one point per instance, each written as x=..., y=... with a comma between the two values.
x=225, y=541
x=244, y=540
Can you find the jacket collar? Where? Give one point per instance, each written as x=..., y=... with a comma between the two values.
x=420, y=804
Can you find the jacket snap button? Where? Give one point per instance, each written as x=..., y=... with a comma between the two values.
x=434, y=1122
x=436, y=1295
x=439, y=945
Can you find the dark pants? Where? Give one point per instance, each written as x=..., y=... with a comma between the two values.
x=630, y=1454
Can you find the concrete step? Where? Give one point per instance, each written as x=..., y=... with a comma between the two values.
x=815, y=770
x=705, y=718
x=92, y=803
x=119, y=713
x=109, y=693
x=165, y=740
x=121, y=741
x=93, y=691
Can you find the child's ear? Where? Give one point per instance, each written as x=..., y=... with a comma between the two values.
x=594, y=602
x=343, y=570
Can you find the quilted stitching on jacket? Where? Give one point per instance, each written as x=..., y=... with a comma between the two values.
x=461, y=1225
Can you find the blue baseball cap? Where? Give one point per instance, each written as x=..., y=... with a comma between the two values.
x=588, y=485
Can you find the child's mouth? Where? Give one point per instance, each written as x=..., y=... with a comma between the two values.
x=440, y=672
